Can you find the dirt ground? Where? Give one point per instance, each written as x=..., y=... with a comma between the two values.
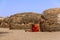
x=6, y=34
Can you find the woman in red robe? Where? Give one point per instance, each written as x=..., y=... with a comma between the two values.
x=35, y=28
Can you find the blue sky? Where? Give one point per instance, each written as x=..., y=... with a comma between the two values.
x=10, y=7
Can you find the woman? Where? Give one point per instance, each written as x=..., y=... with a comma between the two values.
x=35, y=28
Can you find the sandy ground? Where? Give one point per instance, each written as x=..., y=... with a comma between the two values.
x=6, y=34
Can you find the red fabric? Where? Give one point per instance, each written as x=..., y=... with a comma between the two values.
x=35, y=28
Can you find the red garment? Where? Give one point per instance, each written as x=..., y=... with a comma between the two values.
x=35, y=28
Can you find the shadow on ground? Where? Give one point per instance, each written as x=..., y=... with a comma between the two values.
x=4, y=32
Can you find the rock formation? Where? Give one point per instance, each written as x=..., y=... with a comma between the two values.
x=23, y=20
x=52, y=19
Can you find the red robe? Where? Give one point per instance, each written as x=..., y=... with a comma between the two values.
x=35, y=28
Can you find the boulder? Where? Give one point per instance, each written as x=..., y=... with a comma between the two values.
x=51, y=19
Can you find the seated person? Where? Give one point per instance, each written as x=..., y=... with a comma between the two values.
x=35, y=28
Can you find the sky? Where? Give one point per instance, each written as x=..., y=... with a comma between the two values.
x=10, y=7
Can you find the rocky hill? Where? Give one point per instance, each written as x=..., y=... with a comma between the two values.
x=21, y=20
x=49, y=20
